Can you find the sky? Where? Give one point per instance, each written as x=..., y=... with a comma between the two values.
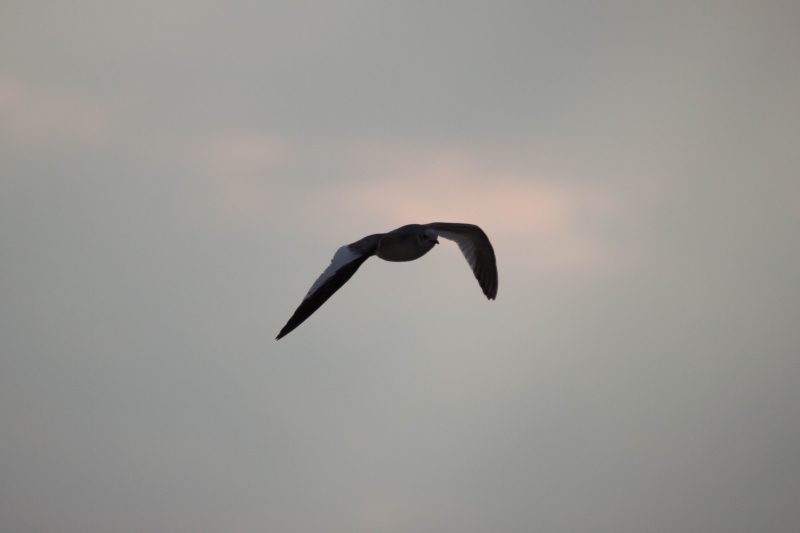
x=175, y=175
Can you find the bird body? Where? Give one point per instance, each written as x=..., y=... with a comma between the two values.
x=406, y=243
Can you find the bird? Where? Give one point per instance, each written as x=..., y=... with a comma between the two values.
x=406, y=243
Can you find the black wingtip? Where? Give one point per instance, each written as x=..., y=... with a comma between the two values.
x=285, y=331
x=313, y=301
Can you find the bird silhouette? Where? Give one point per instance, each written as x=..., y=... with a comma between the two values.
x=406, y=243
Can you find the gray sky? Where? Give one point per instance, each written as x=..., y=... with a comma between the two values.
x=175, y=175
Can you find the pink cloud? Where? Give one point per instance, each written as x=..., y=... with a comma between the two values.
x=547, y=223
x=539, y=220
x=247, y=152
x=379, y=515
x=33, y=115
x=231, y=153
x=238, y=168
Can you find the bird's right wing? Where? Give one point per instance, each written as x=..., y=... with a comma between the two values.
x=344, y=264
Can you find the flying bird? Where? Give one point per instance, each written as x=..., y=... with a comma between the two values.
x=403, y=244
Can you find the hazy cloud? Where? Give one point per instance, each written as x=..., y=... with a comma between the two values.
x=35, y=115
x=174, y=175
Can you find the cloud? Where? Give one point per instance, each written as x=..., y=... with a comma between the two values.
x=31, y=114
x=379, y=515
x=245, y=152
x=546, y=221
x=238, y=169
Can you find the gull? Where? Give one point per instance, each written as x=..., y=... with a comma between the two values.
x=406, y=243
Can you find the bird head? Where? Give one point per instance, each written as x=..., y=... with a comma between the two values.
x=428, y=236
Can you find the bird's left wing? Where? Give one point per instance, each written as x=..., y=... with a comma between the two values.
x=477, y=250
x=344, y=264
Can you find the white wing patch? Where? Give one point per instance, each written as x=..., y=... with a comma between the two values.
x=342, y=256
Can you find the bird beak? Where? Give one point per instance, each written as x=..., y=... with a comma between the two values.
x=436, y=241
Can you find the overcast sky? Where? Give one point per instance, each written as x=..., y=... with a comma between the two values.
x=175, y=175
